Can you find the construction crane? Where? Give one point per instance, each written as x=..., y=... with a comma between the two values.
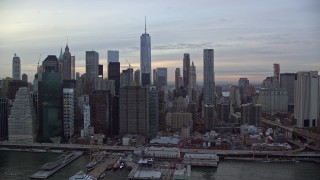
x=39, y=60
x=129, y=64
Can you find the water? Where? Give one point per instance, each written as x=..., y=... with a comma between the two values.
x=21, y=165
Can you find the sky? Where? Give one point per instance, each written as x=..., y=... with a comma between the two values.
x=247, y=36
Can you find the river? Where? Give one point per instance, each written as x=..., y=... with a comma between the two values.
x=20, y=165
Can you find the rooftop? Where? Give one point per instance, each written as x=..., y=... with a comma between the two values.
x=165, y=140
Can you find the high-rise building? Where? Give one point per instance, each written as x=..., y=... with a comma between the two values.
x=177, y=76
x=154, y=75
x=92, y=67
x=137, y=77
x=66, y=64
x=153, y=110
x=287, y=82
x=114, y=74
x=186, y=70
x=134, y=108
x=161, y=78
x=50, y=106
x=192, y=88
x=22, y=118
x=16, y=68
x=251, y=114
x=145, y=58
x=273, y=100
x=276, y=75
x=243, y=84
x=14, y=86
x=208, y=77
x=50, y=64
x=113, y=56
x=179, y=119
x=126, y=78
x=306, y=99
x=24, y=77
x=209, y=116
x=99, y=112
x=68, y=112
x=4, y=115
x=73, y=67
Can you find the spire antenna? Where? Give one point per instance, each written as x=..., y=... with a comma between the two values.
x=145, y=24
x=67, y=40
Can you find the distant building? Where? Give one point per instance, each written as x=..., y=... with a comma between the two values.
x=68, y=112
x=126, y=78
x=306, y=103
x=25, y=77
x=243, y=84
x=14, y=86
x=50, y=64
x=251, y=114
x=73, y=67
x=192, y=88
x=209, y=116
x=145, y=58
x=99, y=110
x=67, y=65
x=4, y=115
x=153, y=110
x=186, y=70
x=273, y=100
x=179, y=120
x=113, y=56
x=136, y=77
x=177, y=76
x=223, y=111
x=287, y=83
x=134, y=108
x=22, y=119
x=114, y=74
x=161, y=78
x=16, y=68
x=92, y=67
x=208, y=77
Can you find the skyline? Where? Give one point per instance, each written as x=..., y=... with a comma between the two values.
x=247, y=36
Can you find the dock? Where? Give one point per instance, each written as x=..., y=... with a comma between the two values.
x=103, y=166
x=44, y=174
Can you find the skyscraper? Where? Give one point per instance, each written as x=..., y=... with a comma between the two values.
x=66, y=64
x=24, y=77
x=68, y=112
x=145, y=58
x=153, y=110
x=134, y=108
x=161, y=78
x=137, y=77
x=177, y=76
x=73, y=67
x=208, y=77
x=22, y=119
x=287, y=82
x=50, y=64
x=92, y=67
x=306, y=99
x=114, y=74
x=186, y=70
x=113, y=56
x=192, y=87
x=16, y=68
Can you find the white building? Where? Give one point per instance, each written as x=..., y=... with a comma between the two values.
x=162, y=152
x=306, y=99
x=273, y=100
x=68, y=112
x=16, y=68
x=22, y=118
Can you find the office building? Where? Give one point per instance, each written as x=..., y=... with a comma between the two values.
x=114, y=74
x=177, y=76
x=113, y=56
x=145, y=58
x=22, y=119
x=73, y=67
x=208, y=77
x=50, y=64
x=161, y=78
x=243, y=85
x=99, y=111
x=68, y=112
x=4, y=115
x=192, y=88
x=273, y=100
x=251, y=114
x=24, y=77
x=178, y=120
x=287, y=83
x=153, y=110
x=66, y=65
x=50, y=106
x=186, y=70
x=16, y=68
x=92, y=67
x=126, y=78
x=137, y=77
x=134, y=108
x=209, y=116
x=14, y=86
x=306, y=99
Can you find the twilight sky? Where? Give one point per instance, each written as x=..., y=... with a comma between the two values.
x=248, y=36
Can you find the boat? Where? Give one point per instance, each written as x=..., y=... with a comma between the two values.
x=116, y=166
x=95, y=160
x=121, y=165
x=61, y=160
x=82, y=176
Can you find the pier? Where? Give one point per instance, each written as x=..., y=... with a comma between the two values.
x=44, y=174
x=103, y=166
